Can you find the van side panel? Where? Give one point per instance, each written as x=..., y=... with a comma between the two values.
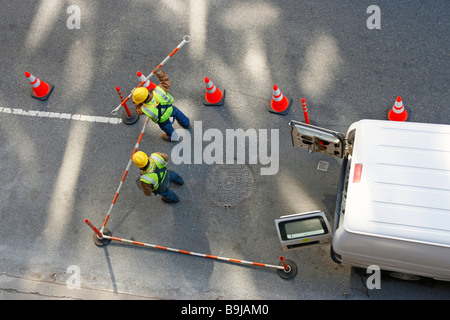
x=392, y=255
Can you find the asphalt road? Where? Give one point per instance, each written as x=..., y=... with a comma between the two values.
x=63, y=164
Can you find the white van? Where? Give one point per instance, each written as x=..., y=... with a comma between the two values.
x=393, y=202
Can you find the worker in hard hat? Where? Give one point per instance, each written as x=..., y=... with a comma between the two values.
x=155, y=178
x=157, y=105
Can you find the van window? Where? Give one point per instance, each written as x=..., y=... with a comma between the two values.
x=302, y=230
x=290, y=230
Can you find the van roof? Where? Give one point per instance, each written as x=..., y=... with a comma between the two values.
x=404, y=190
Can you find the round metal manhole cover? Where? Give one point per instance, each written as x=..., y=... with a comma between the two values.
x=228, y=184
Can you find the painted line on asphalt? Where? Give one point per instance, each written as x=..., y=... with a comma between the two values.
x=57, y=115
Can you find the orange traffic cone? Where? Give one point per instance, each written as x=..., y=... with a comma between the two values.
x=213, y=95
x=279, y=104
x=41, y=89
x=148, y=84
x=398, y=111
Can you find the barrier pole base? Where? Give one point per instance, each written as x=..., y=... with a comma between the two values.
x=102, y=242
x=132, y=119
x=289, y=274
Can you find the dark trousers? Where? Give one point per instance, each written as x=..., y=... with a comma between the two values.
x=167, y=127
x=168, y=194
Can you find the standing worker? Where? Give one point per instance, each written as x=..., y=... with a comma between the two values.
x=157, y=105
x=155, y=178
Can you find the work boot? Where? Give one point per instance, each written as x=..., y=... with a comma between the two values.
x=173, y=200
x=179, y=181
x=165, y=137
x=176, y=178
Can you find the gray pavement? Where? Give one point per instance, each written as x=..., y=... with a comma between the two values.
x=57, y=172
x=18, y=288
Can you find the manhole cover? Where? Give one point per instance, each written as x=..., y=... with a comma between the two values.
x=228, y=184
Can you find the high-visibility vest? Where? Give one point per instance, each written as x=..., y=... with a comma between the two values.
x=159, y=109
x=156, y=174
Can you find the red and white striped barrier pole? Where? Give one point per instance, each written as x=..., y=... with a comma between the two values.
x=128, y=117
x=121, y=99
x=99, y=237
x=287, y=270
x=305, y=111
x=182, y=43
x=99, y=234
x=202, y=255
x=285, y=265
x=124, y=174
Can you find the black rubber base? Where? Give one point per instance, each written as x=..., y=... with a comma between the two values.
x=102, y=242
x=284, y=112
x=130, y=119
x=219, y=103
x=44, y=97
x=291, y=273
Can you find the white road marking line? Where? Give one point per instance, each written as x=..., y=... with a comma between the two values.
x=57, y=115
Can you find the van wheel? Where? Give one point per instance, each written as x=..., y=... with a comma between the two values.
x=404, y=276
x=333, y=256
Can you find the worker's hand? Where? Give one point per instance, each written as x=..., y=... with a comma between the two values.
x=158, y=70
x=139, y=109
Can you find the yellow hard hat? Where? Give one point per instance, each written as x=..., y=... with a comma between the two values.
x=140, y=95
x=140, y=159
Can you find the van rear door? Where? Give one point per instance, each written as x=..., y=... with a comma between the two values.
x=317, y=139
x=302, y=230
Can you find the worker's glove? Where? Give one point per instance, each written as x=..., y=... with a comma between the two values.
x=158, y=70
x=139, y=109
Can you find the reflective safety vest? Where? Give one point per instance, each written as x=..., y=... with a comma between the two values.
x=159, y=109
x=156, y=174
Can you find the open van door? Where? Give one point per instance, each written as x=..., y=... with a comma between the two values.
x=316, y=139
x=302, y=230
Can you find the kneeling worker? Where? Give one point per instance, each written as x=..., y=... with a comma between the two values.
x=157, y=105
x=155, y=178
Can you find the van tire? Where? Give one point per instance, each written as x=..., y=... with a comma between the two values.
x=404, y=276
x=333, y=256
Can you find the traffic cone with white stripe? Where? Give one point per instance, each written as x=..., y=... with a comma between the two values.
x=213, y=95
x=279, y=104
x=398, y=111
x=148, y=84
x=41, y=89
